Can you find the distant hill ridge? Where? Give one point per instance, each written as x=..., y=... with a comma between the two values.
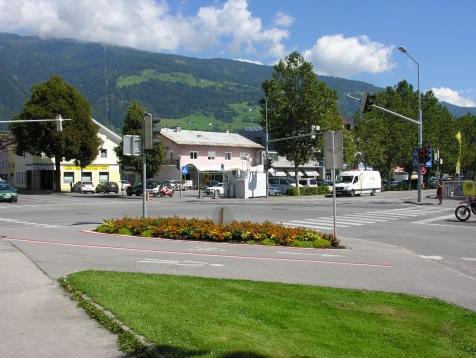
x=194, y=93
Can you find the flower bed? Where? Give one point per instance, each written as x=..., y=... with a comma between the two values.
x=178, y=228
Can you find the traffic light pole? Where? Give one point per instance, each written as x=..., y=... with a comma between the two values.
x=419, y=122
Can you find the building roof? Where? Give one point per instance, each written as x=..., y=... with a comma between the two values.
x=116, y=138
x=218, y=139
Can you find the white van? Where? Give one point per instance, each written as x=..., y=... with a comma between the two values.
x=283, y=183
x=358, y=182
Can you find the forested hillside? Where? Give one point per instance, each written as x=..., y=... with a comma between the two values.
x=194, y=93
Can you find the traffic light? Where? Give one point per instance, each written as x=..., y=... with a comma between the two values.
x=314, y=130
x=177, y=163
x=427, y=153
x=151, y=131
x=366, y=102
x=421, y=155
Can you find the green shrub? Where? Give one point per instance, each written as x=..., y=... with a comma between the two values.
x=265, y=233
x=309, y=190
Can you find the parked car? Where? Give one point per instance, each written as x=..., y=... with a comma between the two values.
x=84, y=187
x=135, y=189
x=107, y=187
x=124, y=184
x=174, y=184
x=8, y=192
x=219, y=187
x=151, y=186
x=273, y=190
x=283, y=183
x=308, y=182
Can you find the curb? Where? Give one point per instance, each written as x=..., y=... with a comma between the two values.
x=127, y=340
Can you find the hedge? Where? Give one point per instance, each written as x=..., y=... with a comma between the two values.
x=178, y=228
x=309, y=190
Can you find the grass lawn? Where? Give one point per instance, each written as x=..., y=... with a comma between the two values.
x=200, y=317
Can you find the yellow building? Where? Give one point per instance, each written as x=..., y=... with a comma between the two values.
x=37, y=173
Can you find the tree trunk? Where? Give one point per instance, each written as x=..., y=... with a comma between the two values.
x=296, y=177
x=58, y=173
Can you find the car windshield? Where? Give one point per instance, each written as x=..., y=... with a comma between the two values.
x=87, y=183
x=345, y=179
x=5, y=187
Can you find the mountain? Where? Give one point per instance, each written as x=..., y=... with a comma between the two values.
x=459, y=111
x=194, y=93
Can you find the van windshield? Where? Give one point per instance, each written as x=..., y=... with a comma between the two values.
x=345, y=179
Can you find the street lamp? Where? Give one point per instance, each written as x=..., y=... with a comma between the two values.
x=420, y=121
x=265, y=166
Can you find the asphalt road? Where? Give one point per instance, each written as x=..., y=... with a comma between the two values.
x=391, y=243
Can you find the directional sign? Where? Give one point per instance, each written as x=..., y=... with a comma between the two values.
x=185, y=170
x=415, y=157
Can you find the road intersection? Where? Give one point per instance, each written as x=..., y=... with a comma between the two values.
x=390, y=243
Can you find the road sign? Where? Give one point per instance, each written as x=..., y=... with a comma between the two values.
x=131, y=145
x=184, y=170
x=423, y=170
x=415, y=157
x=333, y=150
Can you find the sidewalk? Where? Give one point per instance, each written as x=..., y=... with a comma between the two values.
x=38, y=320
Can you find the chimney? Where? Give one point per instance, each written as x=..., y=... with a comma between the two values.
x=178, y=129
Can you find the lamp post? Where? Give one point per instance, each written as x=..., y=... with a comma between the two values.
x=420, y=121
x=265, y=166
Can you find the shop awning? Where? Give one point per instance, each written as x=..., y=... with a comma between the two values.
x=310, y=173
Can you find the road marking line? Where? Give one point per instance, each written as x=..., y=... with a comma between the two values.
x=343, y=219
x=468, y=258
x=217, y=265
x=330, y=220
x=258, y=258
x=425, y=221
x=431, y=257
x=324, y=226
x=307, y=254
x=373, y=218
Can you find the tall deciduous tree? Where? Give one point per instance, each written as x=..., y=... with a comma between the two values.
x=467, y=126
x=133, y=125
x=296, y=101
x=77, y=141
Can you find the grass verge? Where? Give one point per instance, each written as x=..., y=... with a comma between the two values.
x=201, y=317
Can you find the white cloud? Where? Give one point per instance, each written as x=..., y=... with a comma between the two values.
x=248, y=61
x=337, y=55
x=283, y=19
x=146, y=24
x=453, y=97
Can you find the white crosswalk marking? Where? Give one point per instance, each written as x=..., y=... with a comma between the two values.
x=365, y=218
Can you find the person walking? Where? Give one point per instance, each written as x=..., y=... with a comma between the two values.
x=439, y=192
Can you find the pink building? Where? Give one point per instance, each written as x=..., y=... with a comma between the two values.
x=205, y=155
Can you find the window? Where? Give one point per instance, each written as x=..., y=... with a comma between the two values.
x=68, y=177
x=227, y=156
x=103, y=153
x=103, y=176
x=193, y=155
x=211, y=155
x=87, y=176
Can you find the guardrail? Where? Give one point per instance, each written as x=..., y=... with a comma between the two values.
x=458, y=189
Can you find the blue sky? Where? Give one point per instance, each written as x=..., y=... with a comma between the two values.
x=351, y=39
